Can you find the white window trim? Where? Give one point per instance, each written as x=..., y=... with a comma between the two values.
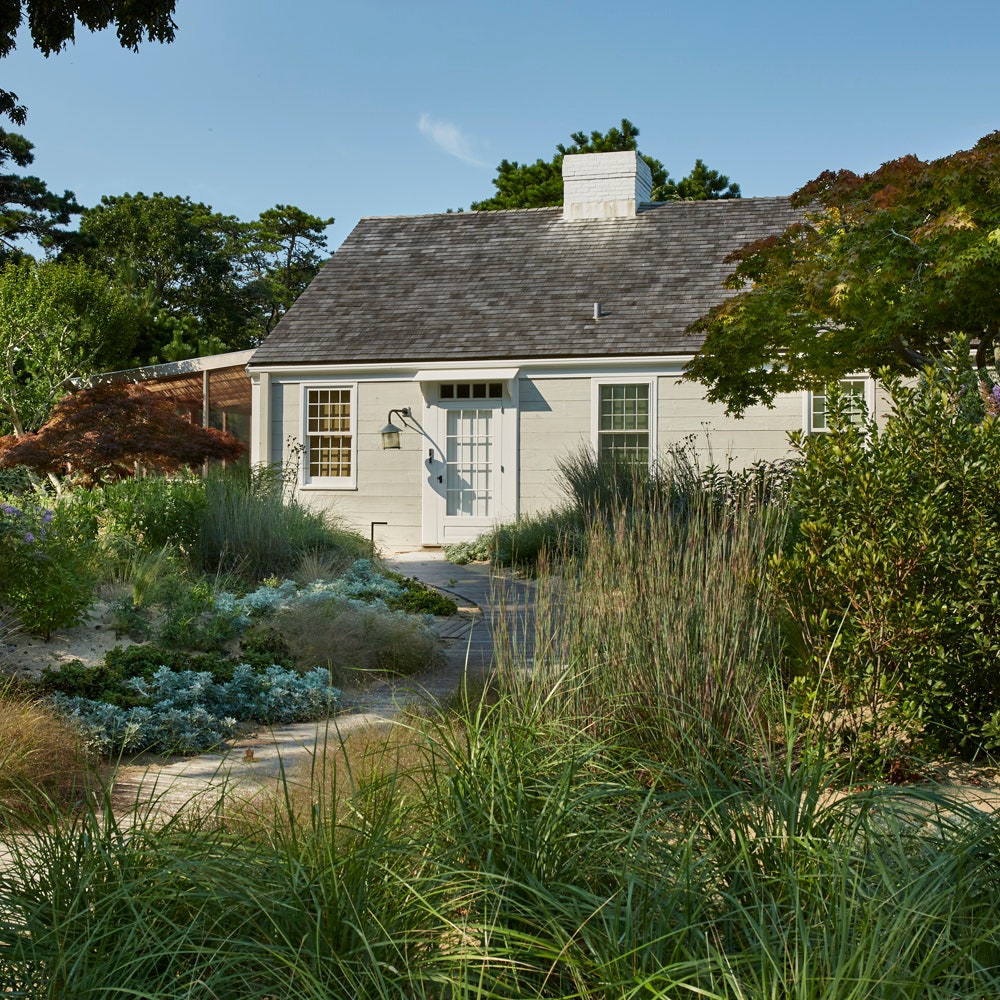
x=328, y=482
x=807, y=402
x=595, y=409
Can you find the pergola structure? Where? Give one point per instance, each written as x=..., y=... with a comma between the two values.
x=213, y=391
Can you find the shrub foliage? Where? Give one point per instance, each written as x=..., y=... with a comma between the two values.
x=893, y=579
x=46, y=576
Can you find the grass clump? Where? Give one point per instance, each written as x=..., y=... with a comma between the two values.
x=41, y=756
x=513, y=856
x=250, y=528
x=650, y=648
x=600, y=489
x=352, y=640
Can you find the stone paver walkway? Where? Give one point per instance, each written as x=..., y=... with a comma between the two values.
x=255, y=762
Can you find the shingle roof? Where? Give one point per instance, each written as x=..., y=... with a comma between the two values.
x=520, y=284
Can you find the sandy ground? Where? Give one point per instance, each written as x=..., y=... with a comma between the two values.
x=23, y=655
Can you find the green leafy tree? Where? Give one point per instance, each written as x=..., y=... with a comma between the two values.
x=52, y=26
x=58, y=320
x=702, y=184
x=52, y=23
x=885, y=269
x=27, y=208
x=181, y=260
x=103, y=433
x=207, y=282
x=539, y=184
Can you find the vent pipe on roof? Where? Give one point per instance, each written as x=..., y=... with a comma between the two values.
x=597, y=310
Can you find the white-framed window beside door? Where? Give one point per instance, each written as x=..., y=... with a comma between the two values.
x=329, y=435
x=623, y=419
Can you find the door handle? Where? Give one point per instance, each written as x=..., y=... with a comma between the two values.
x=440, y=479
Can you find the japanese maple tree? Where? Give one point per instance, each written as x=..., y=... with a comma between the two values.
x=106, y=432
x=885, y=269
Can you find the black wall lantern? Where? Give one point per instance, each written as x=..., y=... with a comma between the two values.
x=390, y=433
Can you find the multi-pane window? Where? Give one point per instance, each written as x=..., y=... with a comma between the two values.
x=853, y=392
x=329, y=437
x=623, y=424
x=471, y=390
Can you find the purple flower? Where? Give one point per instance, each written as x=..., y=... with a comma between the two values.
x=47, y=517
x=28, y=538
x=12, y=511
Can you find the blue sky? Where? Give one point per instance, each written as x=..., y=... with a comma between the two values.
x=384, y=107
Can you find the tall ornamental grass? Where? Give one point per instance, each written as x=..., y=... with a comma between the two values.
x=515, y=858
x=661, y=627
x=251, y=528
x=41, y=757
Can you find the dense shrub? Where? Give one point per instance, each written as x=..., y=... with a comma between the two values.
x=893, y=583
x=153, y=511
x=46, y=571
x=98, y=682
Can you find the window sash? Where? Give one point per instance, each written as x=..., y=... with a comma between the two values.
x=623, y=422
x=329, y=434
x=856, y=391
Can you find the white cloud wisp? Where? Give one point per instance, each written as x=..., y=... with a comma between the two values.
x=451, y=139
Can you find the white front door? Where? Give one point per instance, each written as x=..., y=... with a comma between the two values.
x=471, y=478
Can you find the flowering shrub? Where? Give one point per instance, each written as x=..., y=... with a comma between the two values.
x=45, y=571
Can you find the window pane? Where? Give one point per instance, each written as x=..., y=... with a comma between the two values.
x=853, y=393
x=328, y=433
x=469, y=463
x=623, y=422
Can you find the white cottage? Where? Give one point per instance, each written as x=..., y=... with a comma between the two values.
x=497, y=342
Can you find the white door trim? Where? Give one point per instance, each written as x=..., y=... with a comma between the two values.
x=435, y=529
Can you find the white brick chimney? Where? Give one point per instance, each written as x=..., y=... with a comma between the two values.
x=604, y=185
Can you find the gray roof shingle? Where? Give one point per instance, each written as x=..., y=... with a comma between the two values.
x=520, y=284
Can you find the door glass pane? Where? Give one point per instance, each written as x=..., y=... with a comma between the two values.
x=469, y=463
